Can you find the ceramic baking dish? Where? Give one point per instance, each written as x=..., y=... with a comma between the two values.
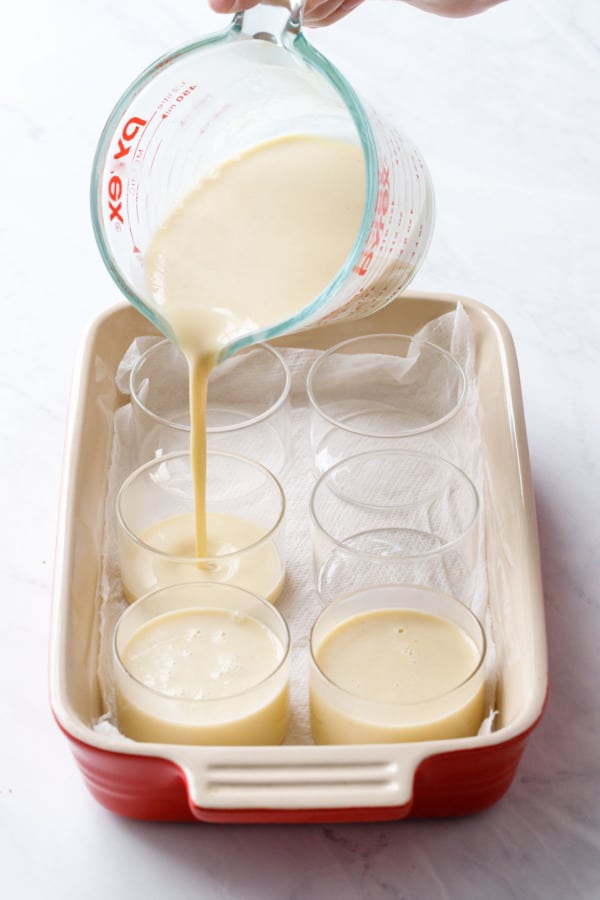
x=303, y=783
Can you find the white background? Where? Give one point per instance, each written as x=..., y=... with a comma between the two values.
x=505, y=109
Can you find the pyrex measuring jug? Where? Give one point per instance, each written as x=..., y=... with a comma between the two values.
x=209, y=101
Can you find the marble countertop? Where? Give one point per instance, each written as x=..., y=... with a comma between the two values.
x=504, y=107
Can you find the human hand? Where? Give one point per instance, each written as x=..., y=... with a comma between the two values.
x=326, y=12
x=316, y=12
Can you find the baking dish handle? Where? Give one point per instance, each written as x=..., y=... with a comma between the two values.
x=254, y=780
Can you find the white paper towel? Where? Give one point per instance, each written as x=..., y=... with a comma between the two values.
x=299, y=603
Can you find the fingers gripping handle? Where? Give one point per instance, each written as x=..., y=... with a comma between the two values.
x=272, y=21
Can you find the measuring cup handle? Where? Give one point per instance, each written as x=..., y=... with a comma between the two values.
x=271, y=20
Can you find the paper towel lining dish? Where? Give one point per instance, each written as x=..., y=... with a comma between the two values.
x=299, y=602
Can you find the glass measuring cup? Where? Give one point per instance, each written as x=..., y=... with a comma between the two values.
x=203, y=104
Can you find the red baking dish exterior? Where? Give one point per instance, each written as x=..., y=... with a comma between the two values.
x=304, y=783
x=449, y=784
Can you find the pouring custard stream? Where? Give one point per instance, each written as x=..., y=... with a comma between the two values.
x=253, y=244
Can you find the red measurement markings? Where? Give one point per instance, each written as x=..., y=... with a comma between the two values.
x=158, y=146
x=134, y=127
x=137, y=206
x=181, y=96
x=131, y=187
x=138, y=155
x=376, y=235
x=214, y=118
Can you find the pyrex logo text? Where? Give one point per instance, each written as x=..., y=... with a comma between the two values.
x=115, y=185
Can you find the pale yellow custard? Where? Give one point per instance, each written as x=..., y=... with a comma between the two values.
x=252, y=245
x=258, y=569
x=201, y=676
x=257, y=240
x=395, y=675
